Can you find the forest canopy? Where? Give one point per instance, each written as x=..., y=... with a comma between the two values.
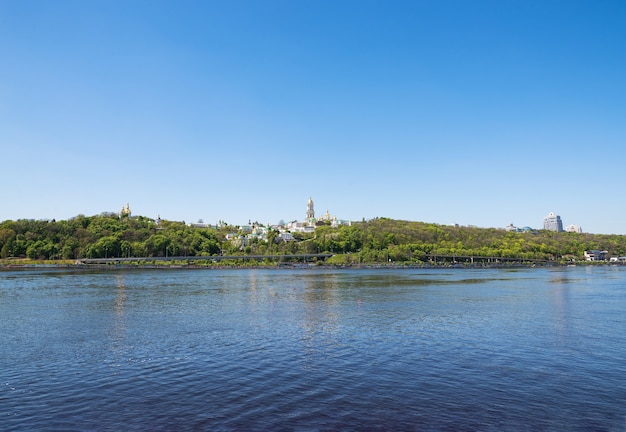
x=379, y=240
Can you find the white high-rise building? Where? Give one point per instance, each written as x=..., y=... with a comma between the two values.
x=553, y=222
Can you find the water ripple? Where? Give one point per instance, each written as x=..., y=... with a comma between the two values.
x=323, y=350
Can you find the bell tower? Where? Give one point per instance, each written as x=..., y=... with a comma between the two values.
x=310, y=212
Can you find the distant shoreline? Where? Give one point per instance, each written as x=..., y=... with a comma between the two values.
x=7, y=267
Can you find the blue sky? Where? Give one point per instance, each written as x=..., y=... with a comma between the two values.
x=477, y=113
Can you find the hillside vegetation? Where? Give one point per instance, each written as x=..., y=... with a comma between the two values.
x=378, y=240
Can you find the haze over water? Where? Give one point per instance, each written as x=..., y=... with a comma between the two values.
x=435, y=349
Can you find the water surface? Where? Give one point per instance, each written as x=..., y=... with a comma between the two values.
x=435, y=349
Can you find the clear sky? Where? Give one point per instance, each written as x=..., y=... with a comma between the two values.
x=475, y=112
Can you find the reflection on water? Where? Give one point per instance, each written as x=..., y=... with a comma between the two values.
x=561, y=314
x=120, y=297
x=118, y=333
x=530, y=349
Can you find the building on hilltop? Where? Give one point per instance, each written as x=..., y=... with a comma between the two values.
x=301, y=227
x=326, y=219
x=573, y=228
x=125, y=212
x=247, y=234
x=511, y=228
x=310, y=222
x=286, y=237
x=553, y=222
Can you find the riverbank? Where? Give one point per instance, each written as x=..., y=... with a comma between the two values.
x=296, y=266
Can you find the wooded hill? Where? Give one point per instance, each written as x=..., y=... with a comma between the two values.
x=378, y=240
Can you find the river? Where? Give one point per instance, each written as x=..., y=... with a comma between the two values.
x=313, y=350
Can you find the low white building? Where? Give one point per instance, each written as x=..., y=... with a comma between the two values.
x=511, y=228
x=303, y=227
x=574, y=228
x=286, y=237
x=595, y=255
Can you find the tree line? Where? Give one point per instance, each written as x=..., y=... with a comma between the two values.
x=379, y=240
